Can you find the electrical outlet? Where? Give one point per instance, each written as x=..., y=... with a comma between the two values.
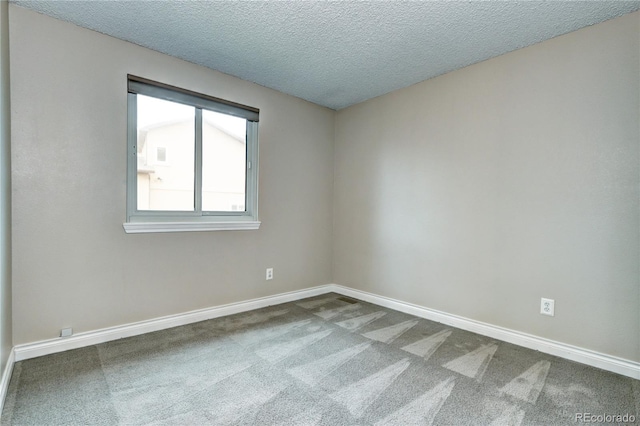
x=269, y=274
x=66, y=332
x=547, y=306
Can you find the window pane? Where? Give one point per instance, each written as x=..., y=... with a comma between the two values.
x=166, y=151
x=224, y=162
x=161, y=155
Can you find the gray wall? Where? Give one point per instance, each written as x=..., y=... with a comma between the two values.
x=5, y=190
x=479, y=192
x=73, y=265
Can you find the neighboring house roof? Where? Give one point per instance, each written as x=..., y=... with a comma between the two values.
x=142, y=136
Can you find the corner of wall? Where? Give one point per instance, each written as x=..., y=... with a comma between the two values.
x=6, y=340
x=333, y=197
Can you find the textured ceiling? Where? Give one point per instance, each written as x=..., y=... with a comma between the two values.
x=333, y=53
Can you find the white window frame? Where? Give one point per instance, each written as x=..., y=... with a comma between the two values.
x=143, y=221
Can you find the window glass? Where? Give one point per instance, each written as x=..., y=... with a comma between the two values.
x=165, y=126
x=224, y=161
x=161, y=154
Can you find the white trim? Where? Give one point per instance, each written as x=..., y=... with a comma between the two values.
x=584, y=356
x=46, y=347
x=6, y=378
x=147, y=227
x=562, y=350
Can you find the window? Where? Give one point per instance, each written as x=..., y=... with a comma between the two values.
x=210, y=182
x=161, y=155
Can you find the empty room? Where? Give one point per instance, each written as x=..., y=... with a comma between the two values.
x=319, y=213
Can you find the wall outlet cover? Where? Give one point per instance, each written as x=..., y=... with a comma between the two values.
x=547, y=307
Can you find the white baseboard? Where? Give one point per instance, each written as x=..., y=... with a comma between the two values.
x=562, y=350
x=46, y=347
x=585, y=356
x=6, y=378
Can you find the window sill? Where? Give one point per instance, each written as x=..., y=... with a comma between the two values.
x=153, y=227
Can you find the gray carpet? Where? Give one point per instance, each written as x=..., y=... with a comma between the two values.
x=319, y=361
